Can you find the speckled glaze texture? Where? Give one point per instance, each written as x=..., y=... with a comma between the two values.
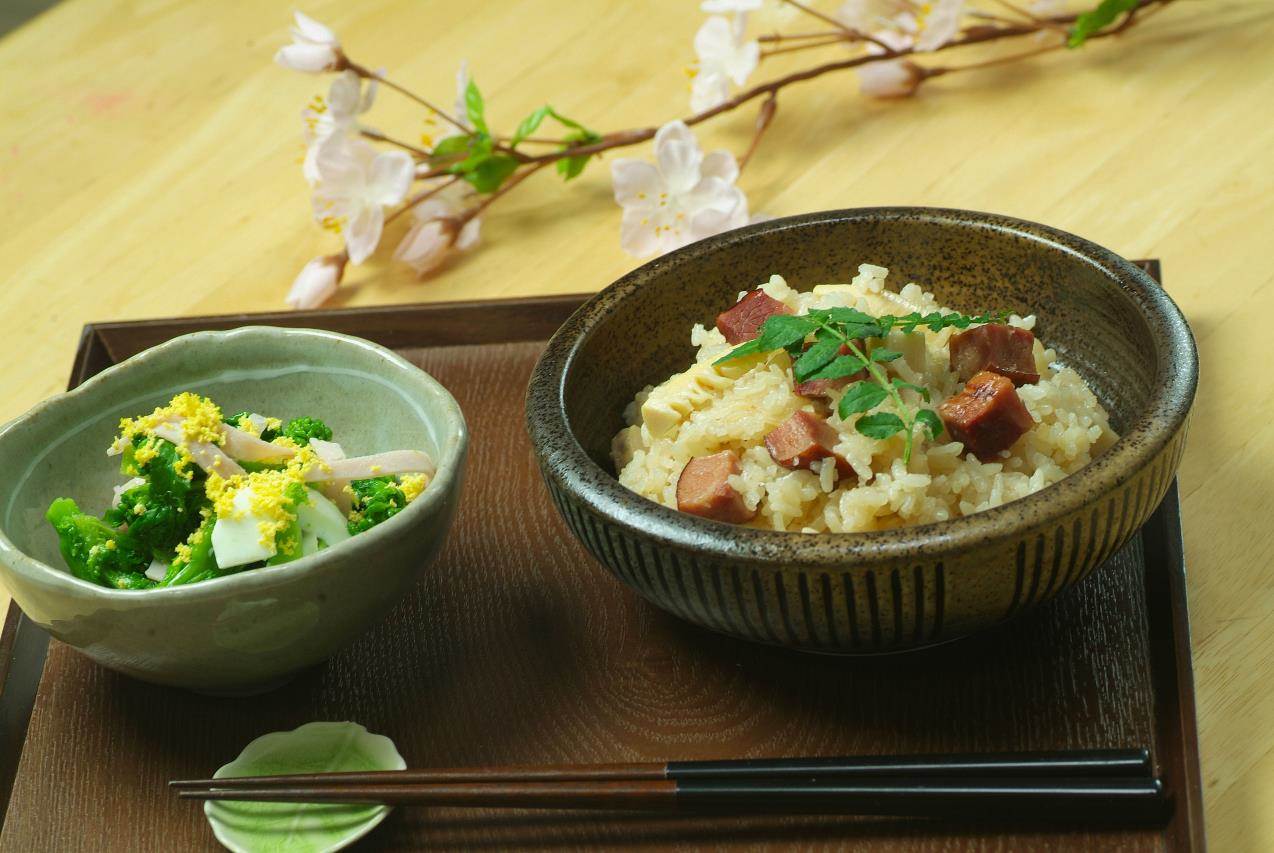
x=879, y=591
x=248, y=631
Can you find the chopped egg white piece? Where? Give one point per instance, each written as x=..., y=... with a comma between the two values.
x=236, y=540
x=157, y=570
x=328, y=451
x=321, y=519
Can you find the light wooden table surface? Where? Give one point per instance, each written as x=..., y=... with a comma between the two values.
x=149, y=166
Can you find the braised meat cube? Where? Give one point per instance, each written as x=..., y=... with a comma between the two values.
x=998, y=348
x=987, y=416
x=743, y=321
x=704, y=489
x=802, y=439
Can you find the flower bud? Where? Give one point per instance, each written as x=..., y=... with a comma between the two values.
x=317, y=281
x=897, y=79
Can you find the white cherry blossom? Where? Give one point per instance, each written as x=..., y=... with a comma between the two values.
x=724, y=57
x=728, y=7
x=461, y=106
x=892, y=22
x=436, y=234
x=317, y=281
x=939, y=24
x=459, y=110
x=336, y=116
x=314, y=47
x=355, y=183
x=683, y=196
x=899, y=25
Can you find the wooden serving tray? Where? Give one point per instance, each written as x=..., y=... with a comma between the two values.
x=516, y=647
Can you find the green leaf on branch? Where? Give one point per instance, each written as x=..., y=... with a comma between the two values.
x=487, y=175
x=880, y=425
x=1098, y=19
x=530, y=124
x=480, y=165
x=570, y=167
x=475, y=108
x=860, y=397
x=449, y=149
x=574, y=125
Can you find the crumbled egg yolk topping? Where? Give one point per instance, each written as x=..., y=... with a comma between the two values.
x=269, y=489
x=149, y=449
x=146, y=451
x=183, y=549
x=412, y=485
x=200, y=419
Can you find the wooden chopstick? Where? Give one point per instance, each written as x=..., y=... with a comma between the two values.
x=1121, y=763
x=1023, y=798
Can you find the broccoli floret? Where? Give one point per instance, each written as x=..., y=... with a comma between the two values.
x=202, y=563
x=375, y=500
x=301, y=430
x=94, y=551
x=160, y=524
x=238, y=420
x=126, y=580
x=169, y=502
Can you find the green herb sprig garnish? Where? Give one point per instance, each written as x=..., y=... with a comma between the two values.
x=834, y=327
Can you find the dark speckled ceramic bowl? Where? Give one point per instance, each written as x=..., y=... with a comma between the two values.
x=879, y=591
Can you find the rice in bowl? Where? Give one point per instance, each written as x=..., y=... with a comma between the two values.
x=733, y=406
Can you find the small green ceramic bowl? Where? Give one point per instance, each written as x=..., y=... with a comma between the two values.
x=248, y=631
x=880, y=591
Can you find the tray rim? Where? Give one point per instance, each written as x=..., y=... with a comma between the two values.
x=24, y=646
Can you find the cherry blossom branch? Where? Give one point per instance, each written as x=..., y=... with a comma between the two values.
x=494, y=165
x=377, y=136
x=805, y=45
x=852, y=33
x=781, y=37
x=366, y=74
x=515, y=179
x=423, y=195
x=634, y=136
x=363, y=72
x=937, y=71
x=763, y=118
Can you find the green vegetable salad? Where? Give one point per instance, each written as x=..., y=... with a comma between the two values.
x=209, y=496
